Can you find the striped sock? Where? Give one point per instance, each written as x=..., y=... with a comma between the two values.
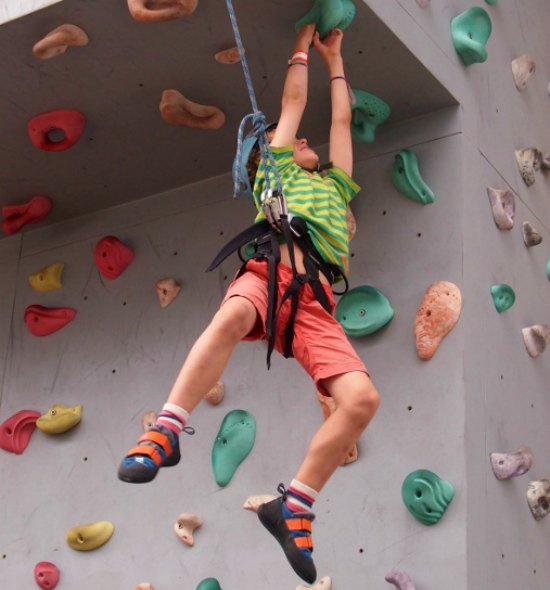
x=299, y=497
x=173, y=417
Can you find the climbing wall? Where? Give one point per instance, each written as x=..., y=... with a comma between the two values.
x=480, y=393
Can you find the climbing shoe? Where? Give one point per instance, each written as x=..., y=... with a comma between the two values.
x=293, y=532
x=157, y=447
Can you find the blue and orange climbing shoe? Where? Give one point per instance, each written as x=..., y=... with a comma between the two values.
x=157, y=447
x=293, y=532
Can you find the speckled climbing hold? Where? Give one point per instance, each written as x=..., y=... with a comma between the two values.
x=112, y=257
x=328, y=406
x=401, y=580
x=426, y=495
x=363, y=310
x=216, y=394
x=503, y=297
x=167, y=290
x=43, y=321
x=228, y=56
x=436, y=317
x=56, y=131
x=523, y=67
x=16, y=431
x=209, y=584
x=531, y=236
x=234, y=441
x=536, y=338
x=529, y=161
x=178, y=110
x=155, y=11
x=57, y=41
x=14, y=217
x=185, y=525
x=367, y=112
x=328, y=15
x=508, y=465
x=407, y=180
x=470, y=31
x=538, y=498
x=503, y=206
x=46, y=574
x=87, y=537
x=324, y=583
x=59, y=419
x=148, y=420
x=252, y=503
x=48, y=278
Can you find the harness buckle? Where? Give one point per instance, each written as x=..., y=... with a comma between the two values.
x=274, y=206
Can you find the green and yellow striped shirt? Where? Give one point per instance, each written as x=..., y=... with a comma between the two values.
x=321, y=201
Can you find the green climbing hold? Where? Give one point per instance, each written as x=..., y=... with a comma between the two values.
x=234, y=441
x=503, y=297
x=328, y=15
x=491, y=1
x=407, y=180
x=548, y=269
x=426, y=495
x=470, y=32
x=367, y=112
x=209, y=584
x=363, y=310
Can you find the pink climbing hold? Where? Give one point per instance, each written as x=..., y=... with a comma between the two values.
x=43, y=321
x=112, y=257
x=16, y=431
x=46, y=575
x=14, y=217
x=68, y=122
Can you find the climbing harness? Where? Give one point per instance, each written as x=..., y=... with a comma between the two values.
x=264, y=236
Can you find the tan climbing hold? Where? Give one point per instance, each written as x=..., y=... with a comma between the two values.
x=324, y=583
x=148, y=420
x=503, y=206
x=531, y=236
x=216, y=394
x=436, y=317
x=167, y=290
x=536, y=338
x=538, y=498
x=328, y=405
x=228, y=56
x=178, y=110
x=144, y=586
x=523, y=67
x=252, y=503
x=529, y=160
x=185, y=525
x=57, y=41
x=155, y=11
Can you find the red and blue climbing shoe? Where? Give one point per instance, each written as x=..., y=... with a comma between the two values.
x=293, y=532
x=157, y=447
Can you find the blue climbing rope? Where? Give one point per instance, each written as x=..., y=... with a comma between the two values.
x=256, y=118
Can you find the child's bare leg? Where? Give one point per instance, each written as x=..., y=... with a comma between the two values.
x=159, y=446
x=289, y=517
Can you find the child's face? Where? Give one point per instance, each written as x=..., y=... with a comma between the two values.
x=304, y=156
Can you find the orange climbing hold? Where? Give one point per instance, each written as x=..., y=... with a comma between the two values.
x=178, y=110
x=155, y=11
x=57, y=41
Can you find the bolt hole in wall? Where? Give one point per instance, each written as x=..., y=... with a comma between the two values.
x=56, y=135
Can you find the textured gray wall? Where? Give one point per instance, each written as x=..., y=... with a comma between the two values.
x=480, y=393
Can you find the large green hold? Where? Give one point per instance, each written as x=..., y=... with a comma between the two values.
x=367, y=112
x=470, y=32
x=234, y=441
x=363, y=310
x=209, y=584
x=426, y=495
x=407, y=180
x=328, y=15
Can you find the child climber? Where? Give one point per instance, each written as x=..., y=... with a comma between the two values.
x=315, y=338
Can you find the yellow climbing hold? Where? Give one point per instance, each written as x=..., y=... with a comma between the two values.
x=47, y=279
x=90, y=536
x=59, y=419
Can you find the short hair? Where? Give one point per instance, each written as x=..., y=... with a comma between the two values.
x=256, y=155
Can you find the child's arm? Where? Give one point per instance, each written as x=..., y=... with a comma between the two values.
x=294, y=97
x=340, y=144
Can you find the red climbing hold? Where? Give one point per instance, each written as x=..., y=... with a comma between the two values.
x=43, y=321
x=14, y=217
x=112, y=256
x=46, y=575
x=67, y=121
x=16, y=431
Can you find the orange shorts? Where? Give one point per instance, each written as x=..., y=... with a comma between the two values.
x=320, y=344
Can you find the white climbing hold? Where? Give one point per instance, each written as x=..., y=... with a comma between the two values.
x=536, y=338
x=538, y=498
x=401, y=580
x=529, y=160
x=508, y=465
x=325, y=583
x=531, y=236
x=523, y=67
x=252, y=503
x=167, y=290
x=503, y=206
x=184, y=526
